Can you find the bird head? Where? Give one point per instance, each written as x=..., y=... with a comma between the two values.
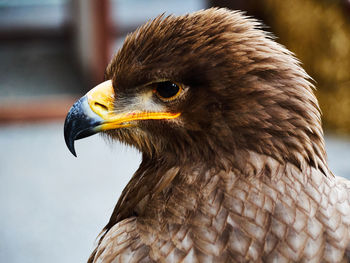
x=210, y=86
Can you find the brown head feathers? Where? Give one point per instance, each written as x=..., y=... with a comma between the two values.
x=246, y=93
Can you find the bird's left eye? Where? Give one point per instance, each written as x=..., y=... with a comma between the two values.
x=167, y=90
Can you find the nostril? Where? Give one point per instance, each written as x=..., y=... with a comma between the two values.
x=101, y=106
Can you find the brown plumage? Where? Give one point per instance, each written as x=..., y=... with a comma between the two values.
x=241, y=175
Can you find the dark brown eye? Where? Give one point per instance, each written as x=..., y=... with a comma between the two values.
x=167, y=90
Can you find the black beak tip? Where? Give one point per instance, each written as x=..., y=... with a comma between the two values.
x=69, y=137
x=79, y=123
x=71, y=148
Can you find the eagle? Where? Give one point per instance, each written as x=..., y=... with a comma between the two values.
x=234, y=166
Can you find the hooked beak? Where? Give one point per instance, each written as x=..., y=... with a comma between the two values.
x=95, y=112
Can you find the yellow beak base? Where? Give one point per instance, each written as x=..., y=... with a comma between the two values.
x=95, y=112
x=101, y=101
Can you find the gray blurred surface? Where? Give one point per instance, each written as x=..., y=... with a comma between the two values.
x=53, y=205
x=144, y=10
x=338, y=151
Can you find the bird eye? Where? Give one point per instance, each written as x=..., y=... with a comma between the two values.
x=167, y=90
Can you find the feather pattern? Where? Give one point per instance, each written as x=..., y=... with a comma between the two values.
x=221, y=216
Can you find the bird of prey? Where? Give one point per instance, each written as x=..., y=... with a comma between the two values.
x=233, y=159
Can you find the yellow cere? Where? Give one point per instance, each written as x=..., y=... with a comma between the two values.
x=101, y=99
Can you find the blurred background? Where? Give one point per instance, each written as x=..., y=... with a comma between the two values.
x=53, y=51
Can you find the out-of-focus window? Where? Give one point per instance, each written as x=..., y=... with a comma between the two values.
x=32, y=14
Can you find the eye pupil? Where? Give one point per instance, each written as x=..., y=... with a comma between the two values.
x=167, y=89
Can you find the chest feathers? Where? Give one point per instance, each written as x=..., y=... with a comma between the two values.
x=281, y=214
